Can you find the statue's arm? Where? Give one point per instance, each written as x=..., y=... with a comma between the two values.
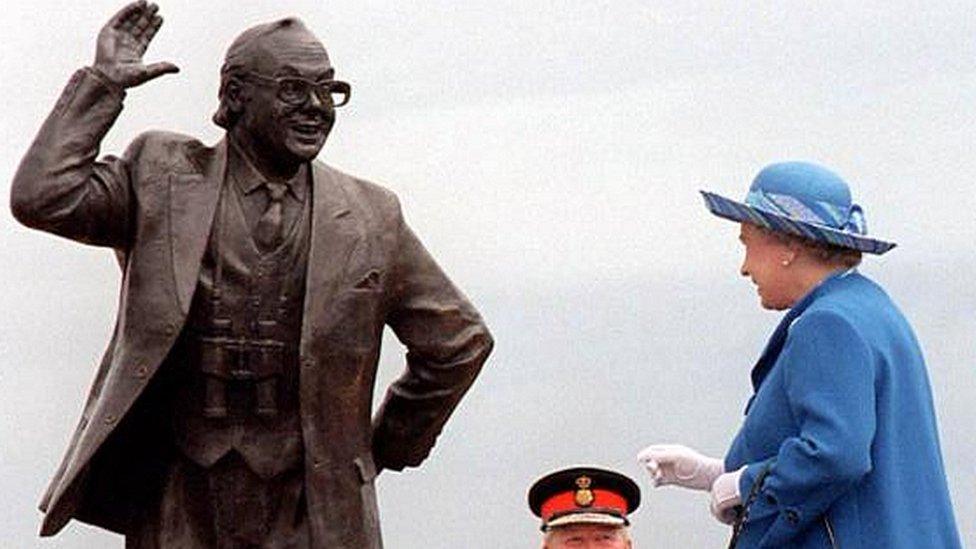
x=447, y=343
x=59, y=186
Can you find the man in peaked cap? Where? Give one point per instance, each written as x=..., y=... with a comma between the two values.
x=232, y=407
x=584, y=507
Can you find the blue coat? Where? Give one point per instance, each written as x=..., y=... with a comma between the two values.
x=843, y=425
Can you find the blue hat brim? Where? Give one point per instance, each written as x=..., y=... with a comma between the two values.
x=737, y=211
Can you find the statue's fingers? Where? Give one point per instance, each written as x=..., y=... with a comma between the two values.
x=151, y=31
x=123, y=16
x=145, y=19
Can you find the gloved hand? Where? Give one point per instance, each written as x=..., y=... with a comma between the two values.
x=726, y=500
x=680, y=465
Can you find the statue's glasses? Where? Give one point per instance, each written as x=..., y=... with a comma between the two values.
x=295, y=90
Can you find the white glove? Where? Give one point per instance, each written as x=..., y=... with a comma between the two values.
x=680, y=465
x=725, y=497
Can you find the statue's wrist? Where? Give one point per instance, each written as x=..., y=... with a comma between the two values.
x=108, y=77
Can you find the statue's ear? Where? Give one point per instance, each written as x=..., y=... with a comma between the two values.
x=235, y=94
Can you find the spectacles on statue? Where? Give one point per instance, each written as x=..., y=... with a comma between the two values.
x=295, y=90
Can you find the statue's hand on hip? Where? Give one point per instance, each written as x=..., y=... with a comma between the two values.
x=123, y=41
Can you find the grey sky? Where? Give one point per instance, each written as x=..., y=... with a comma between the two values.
x=549, y=155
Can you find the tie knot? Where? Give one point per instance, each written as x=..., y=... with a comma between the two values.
x=276, y=190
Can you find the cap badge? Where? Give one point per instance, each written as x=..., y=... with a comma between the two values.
x=584, y=496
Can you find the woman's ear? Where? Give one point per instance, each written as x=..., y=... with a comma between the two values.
x=793, y=249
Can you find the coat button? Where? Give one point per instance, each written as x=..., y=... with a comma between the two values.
x=308, y=362
x=109, y=419
x=142, y=372
x=170, y=329
x=792, y=517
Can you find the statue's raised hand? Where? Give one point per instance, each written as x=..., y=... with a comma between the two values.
x=124, y=39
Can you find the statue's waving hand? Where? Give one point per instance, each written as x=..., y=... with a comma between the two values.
x=124, y=39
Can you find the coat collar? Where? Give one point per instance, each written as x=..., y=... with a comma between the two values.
x=193, y=202
x=249, y=179
x=775, y=344
x=335, y=233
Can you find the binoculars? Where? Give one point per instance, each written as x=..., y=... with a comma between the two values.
x=224, y=360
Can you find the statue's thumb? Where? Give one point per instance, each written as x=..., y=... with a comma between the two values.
x=156, y=70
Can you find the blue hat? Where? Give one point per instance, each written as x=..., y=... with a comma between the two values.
x=805, y=200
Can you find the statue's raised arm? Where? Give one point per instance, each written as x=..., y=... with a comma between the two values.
x=122, y=43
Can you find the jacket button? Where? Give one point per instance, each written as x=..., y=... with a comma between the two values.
x=141, y=372
x=308, y=362
x=170, y=329
x=109, y=419
x=792, y=517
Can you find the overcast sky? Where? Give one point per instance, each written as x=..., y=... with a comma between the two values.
x=549, y=154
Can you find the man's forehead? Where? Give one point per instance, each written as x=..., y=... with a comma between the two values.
x=284, y=46
x=571, y=529
x=285, y=62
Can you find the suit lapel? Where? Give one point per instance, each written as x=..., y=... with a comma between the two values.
x=193, y=201
x=335, y=233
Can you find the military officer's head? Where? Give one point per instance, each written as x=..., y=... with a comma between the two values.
x=584, y=507
x=278, y=94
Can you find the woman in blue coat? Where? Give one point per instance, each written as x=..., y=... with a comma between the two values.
x=839, y=446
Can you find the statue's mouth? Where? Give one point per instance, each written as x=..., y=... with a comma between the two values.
x=310, y=132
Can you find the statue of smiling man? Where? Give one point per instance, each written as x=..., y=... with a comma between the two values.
x=232, y=407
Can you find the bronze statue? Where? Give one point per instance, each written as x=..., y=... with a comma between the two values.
x=232, y=407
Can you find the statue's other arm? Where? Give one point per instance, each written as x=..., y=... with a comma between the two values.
x=447, y=343
x=59, y=186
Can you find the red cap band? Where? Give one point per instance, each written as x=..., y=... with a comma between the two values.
x=566, y=501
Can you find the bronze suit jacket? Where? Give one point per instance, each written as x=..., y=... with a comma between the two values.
x=154, y=207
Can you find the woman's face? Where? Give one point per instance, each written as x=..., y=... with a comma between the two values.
x=766, y=262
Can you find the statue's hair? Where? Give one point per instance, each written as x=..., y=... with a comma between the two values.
x=237, y=62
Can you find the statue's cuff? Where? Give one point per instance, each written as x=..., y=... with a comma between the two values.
x=106, y=82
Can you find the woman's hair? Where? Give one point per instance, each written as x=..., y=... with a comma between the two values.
x=824, y=252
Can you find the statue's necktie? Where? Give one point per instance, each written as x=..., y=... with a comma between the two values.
x=267, y=233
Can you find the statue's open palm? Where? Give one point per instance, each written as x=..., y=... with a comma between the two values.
x=124, y=39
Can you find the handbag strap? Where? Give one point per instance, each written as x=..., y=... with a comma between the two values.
x=743, y=513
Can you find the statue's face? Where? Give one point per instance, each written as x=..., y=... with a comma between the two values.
x=285, y=117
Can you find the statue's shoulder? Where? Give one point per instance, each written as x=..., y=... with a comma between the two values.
x=166, y=144
x=158, y=151
x=366, y=194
